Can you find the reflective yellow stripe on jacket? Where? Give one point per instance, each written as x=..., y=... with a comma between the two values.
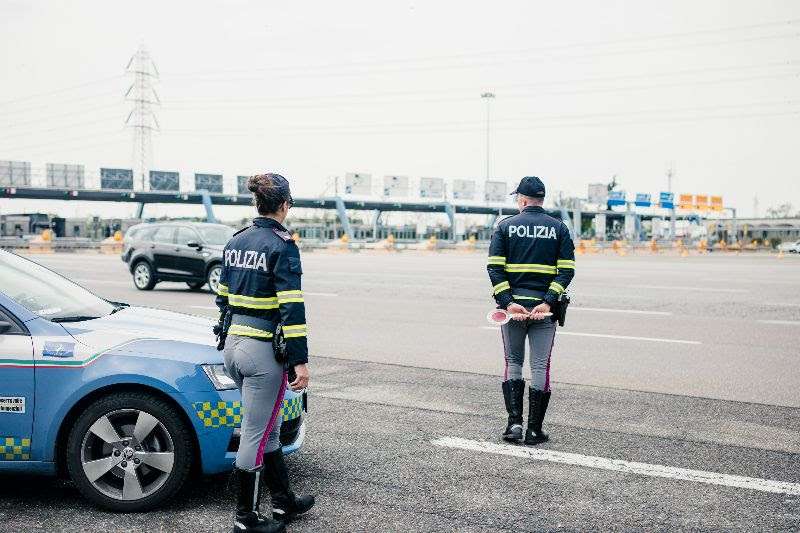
x=253, y=302
x=565, y=263
x=287, y=297
x=496, y=260
x=531, y=267
x=502, y=286
x=247, y=331
x=298, y=330
x=556, y=287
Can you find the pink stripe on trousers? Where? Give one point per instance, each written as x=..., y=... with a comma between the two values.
x=505, y=354
x=550, y=355
x=273, y=418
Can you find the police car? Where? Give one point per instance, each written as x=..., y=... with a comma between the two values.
x=126, y=401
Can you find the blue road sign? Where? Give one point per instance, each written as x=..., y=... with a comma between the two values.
x=642, y=199
x=667, y=200
x=616, y=198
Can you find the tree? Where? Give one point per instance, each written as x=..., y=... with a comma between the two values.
x=782, y=211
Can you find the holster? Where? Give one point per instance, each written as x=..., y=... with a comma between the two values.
x=279, y=346
x=560, y=313
x=221, y=328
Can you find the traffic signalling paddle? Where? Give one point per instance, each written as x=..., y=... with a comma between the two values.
x=498, y=317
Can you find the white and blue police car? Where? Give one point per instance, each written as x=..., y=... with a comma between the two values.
x=126, y=401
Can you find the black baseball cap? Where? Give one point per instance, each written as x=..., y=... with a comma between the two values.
x=530, y=186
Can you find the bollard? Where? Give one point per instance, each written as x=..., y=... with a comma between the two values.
x=472, y=239
x=296, y=237
x=345, y=238
x=780, y=254
x=390, y=239
x=653, y=246
x=118, y=235
x=684, y=253
x=47, y=235
x=432, y=240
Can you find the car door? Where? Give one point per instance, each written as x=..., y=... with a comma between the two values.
x=190, y=261
x=163, y=249
x=16, y=389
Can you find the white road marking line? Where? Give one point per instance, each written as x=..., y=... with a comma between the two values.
x=210, y=307
x=682, y=288
x=319, y=294
x=102, y=281
x=627, y=467
x=632, y=311
x=781, y=322
x=620, y=337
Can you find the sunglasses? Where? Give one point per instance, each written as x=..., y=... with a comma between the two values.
x=291, y=202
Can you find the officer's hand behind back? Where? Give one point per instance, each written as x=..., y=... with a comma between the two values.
x=301, y=381
x=517, y=311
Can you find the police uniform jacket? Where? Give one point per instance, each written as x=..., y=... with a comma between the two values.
x=260, y=285
x=531, y=259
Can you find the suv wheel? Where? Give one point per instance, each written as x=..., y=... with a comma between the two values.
x=143, y=276
x=213, y=278
x=129, y=451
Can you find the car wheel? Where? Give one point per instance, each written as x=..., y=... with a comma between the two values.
x=143, y=276
x=129, y=451
x=213, y=278
x=195, y=285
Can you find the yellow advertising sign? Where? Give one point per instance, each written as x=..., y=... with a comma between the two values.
x=686, y=202
x=716, y=203
x=701, y=202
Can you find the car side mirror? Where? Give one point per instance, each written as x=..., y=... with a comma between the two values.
x=5, y=326
x=194, y=244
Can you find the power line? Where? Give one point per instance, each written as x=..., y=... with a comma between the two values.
x=176, y=107
x=591, y=44
x=383, y=68
x=478, y=124
x=64, y=89
x=278, y=102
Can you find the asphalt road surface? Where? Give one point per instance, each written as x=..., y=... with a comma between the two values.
x=676, y=401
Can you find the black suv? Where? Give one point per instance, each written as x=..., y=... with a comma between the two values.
x=175, y=251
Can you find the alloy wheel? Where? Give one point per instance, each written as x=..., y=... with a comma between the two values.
x=127, y=454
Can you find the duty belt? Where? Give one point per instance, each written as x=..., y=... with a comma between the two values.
x=526, y=295
x=250, y=326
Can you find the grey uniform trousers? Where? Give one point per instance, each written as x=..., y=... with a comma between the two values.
x=540, y=335
x=262, y=380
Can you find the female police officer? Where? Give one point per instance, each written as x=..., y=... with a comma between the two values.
x=260, y=289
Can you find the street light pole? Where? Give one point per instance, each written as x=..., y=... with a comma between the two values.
x=487, y=96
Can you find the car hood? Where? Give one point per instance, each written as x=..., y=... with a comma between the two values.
x=133, y=325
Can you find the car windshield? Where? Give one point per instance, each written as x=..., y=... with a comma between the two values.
x=46, y=293
x=216, y=235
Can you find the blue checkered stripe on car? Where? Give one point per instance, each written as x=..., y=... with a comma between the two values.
x=15, y=448
x=229, y=414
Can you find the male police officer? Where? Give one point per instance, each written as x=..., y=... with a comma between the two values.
x=531, y=263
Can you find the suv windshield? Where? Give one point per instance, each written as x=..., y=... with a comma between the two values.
x=46, y=293
x=216, y=235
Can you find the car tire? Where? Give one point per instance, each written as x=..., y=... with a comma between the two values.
x=212, y=277
x=195, y=285
x=104, y=438
x=143, y=276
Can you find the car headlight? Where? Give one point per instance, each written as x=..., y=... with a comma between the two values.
x=219, y=377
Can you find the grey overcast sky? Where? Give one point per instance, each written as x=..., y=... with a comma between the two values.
x=584, y=90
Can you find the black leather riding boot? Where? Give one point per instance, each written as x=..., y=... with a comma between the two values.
x=285, y=505
x=513, y=392
x=538, y=401
x=248, y=495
